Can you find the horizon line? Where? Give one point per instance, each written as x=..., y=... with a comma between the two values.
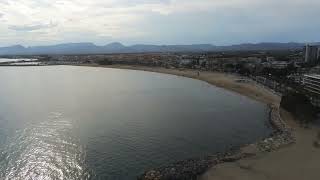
x=183, y=44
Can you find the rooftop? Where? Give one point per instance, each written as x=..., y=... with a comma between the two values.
x=316, y=76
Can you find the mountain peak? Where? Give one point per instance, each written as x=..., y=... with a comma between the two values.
x=77, y=44
x=18, y=46
x=115, y=44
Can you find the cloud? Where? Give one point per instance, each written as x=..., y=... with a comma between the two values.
x=159, y=21
x=31, y=27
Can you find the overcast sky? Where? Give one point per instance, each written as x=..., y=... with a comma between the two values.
x=220, y=22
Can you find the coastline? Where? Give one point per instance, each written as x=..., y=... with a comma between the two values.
x=195, y=168
x=222, y=80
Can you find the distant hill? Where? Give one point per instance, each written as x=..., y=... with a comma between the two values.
x=90, y=48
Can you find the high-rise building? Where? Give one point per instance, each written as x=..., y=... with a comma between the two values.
x=312, y=83
x=312, y=53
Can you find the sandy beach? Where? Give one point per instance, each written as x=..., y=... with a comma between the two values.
x=295, y=162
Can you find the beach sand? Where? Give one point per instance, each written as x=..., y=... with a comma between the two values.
x=299, y=161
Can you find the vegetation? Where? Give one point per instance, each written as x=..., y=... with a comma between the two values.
x=105, y=62
x=299, y=105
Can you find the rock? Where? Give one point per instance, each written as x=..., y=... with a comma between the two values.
x=152, y=175
x=173, y=170
x=250, y=150
x=232, y=158
x=245, y=165
x=316, y=144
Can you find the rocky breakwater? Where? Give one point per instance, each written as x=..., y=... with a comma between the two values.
x=281, y=136
x=190, y=169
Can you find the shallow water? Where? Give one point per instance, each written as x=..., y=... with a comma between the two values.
x=2, y=60
x=64, y=122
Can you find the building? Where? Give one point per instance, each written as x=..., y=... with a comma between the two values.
x=279, y=64
x=254, y=59
x=312, y=53
x=270, y=59
x=185, y=61
x=311, y=83
x=276, y=64
x=297, y=78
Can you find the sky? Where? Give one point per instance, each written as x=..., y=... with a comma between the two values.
x=219, y=22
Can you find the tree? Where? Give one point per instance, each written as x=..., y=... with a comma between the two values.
x=299, y=105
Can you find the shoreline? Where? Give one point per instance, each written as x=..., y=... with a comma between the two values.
x=221, y=80
x=194, y=168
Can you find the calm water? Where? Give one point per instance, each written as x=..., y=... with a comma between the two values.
x=2, y=60
x=64, y=122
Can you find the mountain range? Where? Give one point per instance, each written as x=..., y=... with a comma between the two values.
x=90, y=48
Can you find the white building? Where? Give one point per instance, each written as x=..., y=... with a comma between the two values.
x=279, y=64
x=312, y=83
x=312, y=53
x=185, y=61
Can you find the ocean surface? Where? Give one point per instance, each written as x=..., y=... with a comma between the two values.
x=2, y=60
x=65, y=122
